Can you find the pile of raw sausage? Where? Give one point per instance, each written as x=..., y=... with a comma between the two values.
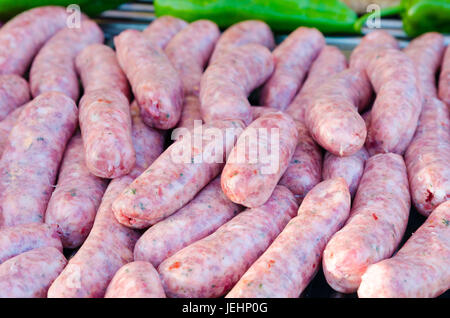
x=241, y=200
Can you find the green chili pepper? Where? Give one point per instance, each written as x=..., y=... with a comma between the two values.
x=418, y=16
x=424, y=16
x=9, y=8
x=329, y=16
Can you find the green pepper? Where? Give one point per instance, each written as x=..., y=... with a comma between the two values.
x=423, y=16
x=10, y=8
x=329, y=16
x=418, y=16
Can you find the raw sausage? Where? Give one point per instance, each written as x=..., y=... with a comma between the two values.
x=420, y=268
x=98, y=68
x=76, y=198
x=428, y=154
x=53, y=68
x=398, y=104
x=155, y=83
x=136, y=280
x=14, y=92
x=190, y=113
x=305, y=168
x=242, y=33
x=376, y=225
x=329, y=62
x=148, y=142
x=23, y=36
x=258, y=111
x=210, y=267
x=362, y=54
x=427, y=157
x=105, y=119
x=444, y=78
x=259, y=159
x=350, y=168
x=293, y=259
x=199, y=218
x=6, y=125
x=162, y=30
x=426, y=52
x=333, y=119
x=189, y=51
x=109, y=245
x=227, y=82
x=30, y=162
x=18, y=239
x=30, y=274
x=293, y=57
x=105, y=124
x=177, y=175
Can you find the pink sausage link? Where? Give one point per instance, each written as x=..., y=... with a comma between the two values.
x=6, y=125
x=155, y=83
x=398, y=104
x=444, y=78
x=98, y=68
x=18, y=239
x=378, y=39
x=136, y=280
x=329, y=62
x=293, y=57
x=190, y=113
x=250, y=175
x=53, y=68
x=428, y=154
x=23, y=36
x=293, y=259
x=30, y=162
x=426, y=52
x=333, y=119
x=199, y=218
x=105, y=118
x=30, y=274
x=109, y=245
x=210, y=267
x=305, y=168
x=105, y=124
x=242, y=33
x=227, y=82
x=376, y=225
x=76, y=198
x=148, y=142
x=258, y=111
x=420, y=268
x=176, y=176
x=427, y=157
x=350, y=168
x=162, y=30
x=14, y=92
x=189, y=51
